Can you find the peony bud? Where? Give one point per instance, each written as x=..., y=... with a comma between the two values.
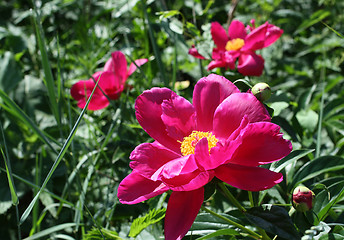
x=261, y=91
x=303, y=199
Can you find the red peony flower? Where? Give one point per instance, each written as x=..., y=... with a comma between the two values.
x=223, y=133
x=112, y=82
x=238, y=44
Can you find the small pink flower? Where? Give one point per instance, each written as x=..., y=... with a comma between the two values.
x=112, y=82
x=224, y=133
x=238, y=44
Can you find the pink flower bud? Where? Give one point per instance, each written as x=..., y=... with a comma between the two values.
x=303, y=199
x=261, y=91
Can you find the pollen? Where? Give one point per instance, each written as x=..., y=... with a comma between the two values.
x=235, y=44
x=189, y=143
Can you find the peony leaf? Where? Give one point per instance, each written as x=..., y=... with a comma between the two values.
x=141, y=223
x=274, y=220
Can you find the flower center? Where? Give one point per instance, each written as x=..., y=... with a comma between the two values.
x=235, y=44
x=189, y=143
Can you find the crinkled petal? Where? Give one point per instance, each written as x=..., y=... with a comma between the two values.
x=248, y=178
x=82, y=90
x=135, y=188
x=251, y=64
x=179, y=117
x=219, y=35
x=148, y=113
x=194, y=52
x=237, y=30
x=255, y=39
x=232, y=110
x=261, y=143
x=182, y=174
x=148, y=157
x=181, y=212
x=208, y=93
x=138, y=63
x=273, y=33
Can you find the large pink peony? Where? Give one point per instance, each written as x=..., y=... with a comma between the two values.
x=112, y=82
x=224, y=134
x=240, y=43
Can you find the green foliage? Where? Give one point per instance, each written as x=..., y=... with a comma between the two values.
x=61, y=166
x=154, y=216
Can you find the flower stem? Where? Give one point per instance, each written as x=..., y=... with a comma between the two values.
x=250, y=232
x=230, y=196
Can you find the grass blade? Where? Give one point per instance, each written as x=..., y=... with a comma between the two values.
x=50, y=230
x=14, y=109
x=59, y=158
x=49, y=79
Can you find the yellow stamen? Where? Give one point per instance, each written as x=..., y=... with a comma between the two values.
x=189, y=143
x=235, y=44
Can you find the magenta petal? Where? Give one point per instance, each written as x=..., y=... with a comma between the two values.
x=250, y=64
x=135, y=188
x=148, y=157
x=138, y=63
x=182, y=210
x=148, y=113
x=255, y=39
x=219, y=35
x=232, y=110
x=248, y=178
x=107, y=82
x=208, y=93
x=273, y=33
x=216, y=64
x=82, y=90
x=237, y=30
x=178, y=115
x=194, y=52
x=261, y=143
x=119, y=67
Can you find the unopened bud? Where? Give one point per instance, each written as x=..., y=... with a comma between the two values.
x=303, y=199
x=261, y=91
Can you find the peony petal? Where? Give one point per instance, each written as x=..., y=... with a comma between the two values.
x=138, y=62
x=179, y=117
x=248, y=178
x=194, y=52
x=219, y=35
x=231, y=111
x=135, y=188
x=237, y=30
x=273, y=33
x=148, y=113
x=182, y=210
x=148, y=157
x=82, y=90
x=108, y=84
x=250, y=64
x=255, y=39
x=261, y=143
x=119, y=67
x=208, y=93
x=216, y=64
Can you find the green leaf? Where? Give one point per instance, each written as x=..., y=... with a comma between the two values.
x=308, y=119
x=292, y=157
x=273, y=219
x=221, y=232
x=9, y=73
x=315, y=18
x=141, y=223
x=95, y=234
x=315, y=168
x=49, y=231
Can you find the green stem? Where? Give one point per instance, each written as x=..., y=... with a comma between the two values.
x=229, y=195
x=252, y=234
x=250, y=196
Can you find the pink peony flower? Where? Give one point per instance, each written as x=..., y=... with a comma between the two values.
x=112, y=82
x=238, y=44
x=223, y=133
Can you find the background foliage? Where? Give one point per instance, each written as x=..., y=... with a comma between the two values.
x=80, y=157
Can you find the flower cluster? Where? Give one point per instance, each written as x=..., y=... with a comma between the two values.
x=240, y=43
x=224, y=134
x=111, y=82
